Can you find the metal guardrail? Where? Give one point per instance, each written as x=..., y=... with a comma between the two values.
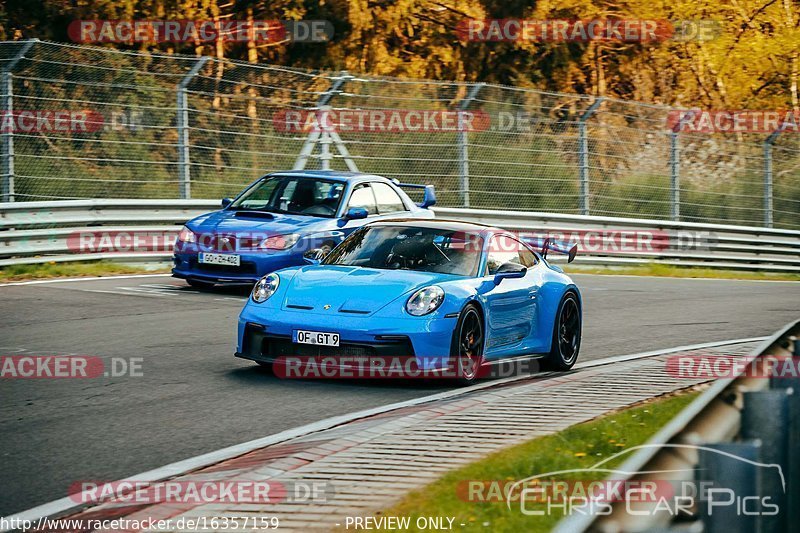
x=751, y=416
x=39, y=232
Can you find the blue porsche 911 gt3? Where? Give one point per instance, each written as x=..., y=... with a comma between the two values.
x=281, y=216
x=446, y=293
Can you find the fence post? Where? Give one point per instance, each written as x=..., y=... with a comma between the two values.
x=675, y=175
x=766, y=416
x=583, y=154
x=718, y=470
x=184, y=171
x=675, y=164
x=463, y=151
x=768, y=142
x=7, y=137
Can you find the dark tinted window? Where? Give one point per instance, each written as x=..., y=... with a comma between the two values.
x=294, y=195
x=410, y=248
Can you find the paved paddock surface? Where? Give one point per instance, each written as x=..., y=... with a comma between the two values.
x=194, y=397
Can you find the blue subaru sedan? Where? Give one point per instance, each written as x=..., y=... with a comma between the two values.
x=283, y=216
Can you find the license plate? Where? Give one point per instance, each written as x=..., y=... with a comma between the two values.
x=318, y=338
x=220, y=259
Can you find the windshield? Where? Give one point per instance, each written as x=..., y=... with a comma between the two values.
x=293, y=195
x=409, y=248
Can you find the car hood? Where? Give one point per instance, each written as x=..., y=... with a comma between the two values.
x=232, y=222
x=352, y=290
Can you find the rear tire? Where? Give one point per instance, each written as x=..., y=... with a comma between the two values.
x=467, y=345
x=200, y=285
x=566, y=341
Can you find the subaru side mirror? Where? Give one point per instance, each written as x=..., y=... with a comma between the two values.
x=355, y=213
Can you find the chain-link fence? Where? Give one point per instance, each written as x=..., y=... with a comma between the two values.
x=86, y=122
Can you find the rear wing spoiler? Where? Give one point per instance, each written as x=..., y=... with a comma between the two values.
x=570, y=249
x=428, y=195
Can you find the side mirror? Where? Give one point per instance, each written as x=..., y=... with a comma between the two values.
x=314, y=256
x=509, y=271
x=355, y=213
x=226, y=202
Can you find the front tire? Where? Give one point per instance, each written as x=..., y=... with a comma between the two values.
x=467, y=345
x=566, y=341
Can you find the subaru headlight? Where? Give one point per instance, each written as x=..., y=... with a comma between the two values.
x=425, y=301
x=265, y=287
x=280, y=242
x=186, y=235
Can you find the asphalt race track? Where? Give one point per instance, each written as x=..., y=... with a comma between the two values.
x=195, y=397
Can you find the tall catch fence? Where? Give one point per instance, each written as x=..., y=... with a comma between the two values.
x=87, y=122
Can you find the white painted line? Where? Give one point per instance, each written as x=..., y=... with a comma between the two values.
x=65, y=504
x=644, y=355
x=93, y=278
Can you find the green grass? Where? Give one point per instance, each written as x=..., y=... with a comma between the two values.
x=681, y=272
x=579, y=446
x=68, y=270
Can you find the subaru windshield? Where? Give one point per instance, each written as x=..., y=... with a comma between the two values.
x=425, y=249
x=292, y=195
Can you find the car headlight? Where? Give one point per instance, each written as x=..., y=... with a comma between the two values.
x=186, y=235
x=280, y=242
x=425, y=301
x=265, y=287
